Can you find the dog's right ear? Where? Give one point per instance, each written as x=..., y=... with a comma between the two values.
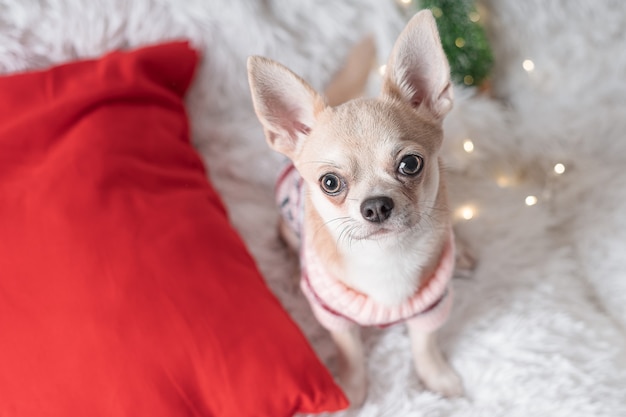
x=284, y=103
x=418, y=72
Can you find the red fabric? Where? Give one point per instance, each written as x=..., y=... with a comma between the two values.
x=124, y=291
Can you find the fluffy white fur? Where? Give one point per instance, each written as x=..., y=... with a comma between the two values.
x=540, y=328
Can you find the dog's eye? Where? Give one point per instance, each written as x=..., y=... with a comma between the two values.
x=331, y=184
x=411, y=165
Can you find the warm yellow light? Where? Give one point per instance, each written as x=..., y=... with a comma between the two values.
x=531, y=200
x=468, y=80
x=466, y=212
x=406, y=2
x=528, y=65
x=468, y=146
x=437, y=12
x=474, y=16
x=559, y=169
x=459, y=42
x=504, y=181
x=382, y=70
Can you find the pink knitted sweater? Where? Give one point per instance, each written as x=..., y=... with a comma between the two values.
x=337, y=306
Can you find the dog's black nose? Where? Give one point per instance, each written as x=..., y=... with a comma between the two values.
x=377, y=209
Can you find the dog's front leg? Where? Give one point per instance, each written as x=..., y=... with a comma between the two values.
x=432, y=368
x=352, y=371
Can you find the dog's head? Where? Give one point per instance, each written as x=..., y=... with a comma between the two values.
x=371, y=164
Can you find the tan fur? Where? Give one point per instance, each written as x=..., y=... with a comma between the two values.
x=384, y=253
x=356, y=129
x=350, y=80
x=321, y=239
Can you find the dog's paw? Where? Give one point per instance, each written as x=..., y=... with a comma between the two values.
x=448, y=384
x=440, y=377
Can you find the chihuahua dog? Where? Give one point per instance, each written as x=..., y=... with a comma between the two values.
x=364, y=201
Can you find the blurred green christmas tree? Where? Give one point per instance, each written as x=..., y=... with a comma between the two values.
x=463, y=39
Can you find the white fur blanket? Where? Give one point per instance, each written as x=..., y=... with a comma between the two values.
x=540, y=328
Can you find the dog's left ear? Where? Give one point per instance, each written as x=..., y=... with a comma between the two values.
x=418, y=71
x=284, y=103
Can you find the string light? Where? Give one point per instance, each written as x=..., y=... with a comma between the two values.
x=437, y=12
x=468, y=80
x=474, y=16
x=528, y=65
x=559, y=168
x=466, y=212
x=531, y=200
x=503, y=181
x=468, y=146
x=459, y=42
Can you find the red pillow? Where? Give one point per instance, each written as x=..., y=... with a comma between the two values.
x=124, y=291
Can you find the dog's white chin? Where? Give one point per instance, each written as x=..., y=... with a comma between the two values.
x=385, y=232
x=377, y=234
x=386, y=262
x=389, y=273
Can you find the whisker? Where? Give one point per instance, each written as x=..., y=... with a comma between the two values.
x=343, y=219
x=347, y=234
